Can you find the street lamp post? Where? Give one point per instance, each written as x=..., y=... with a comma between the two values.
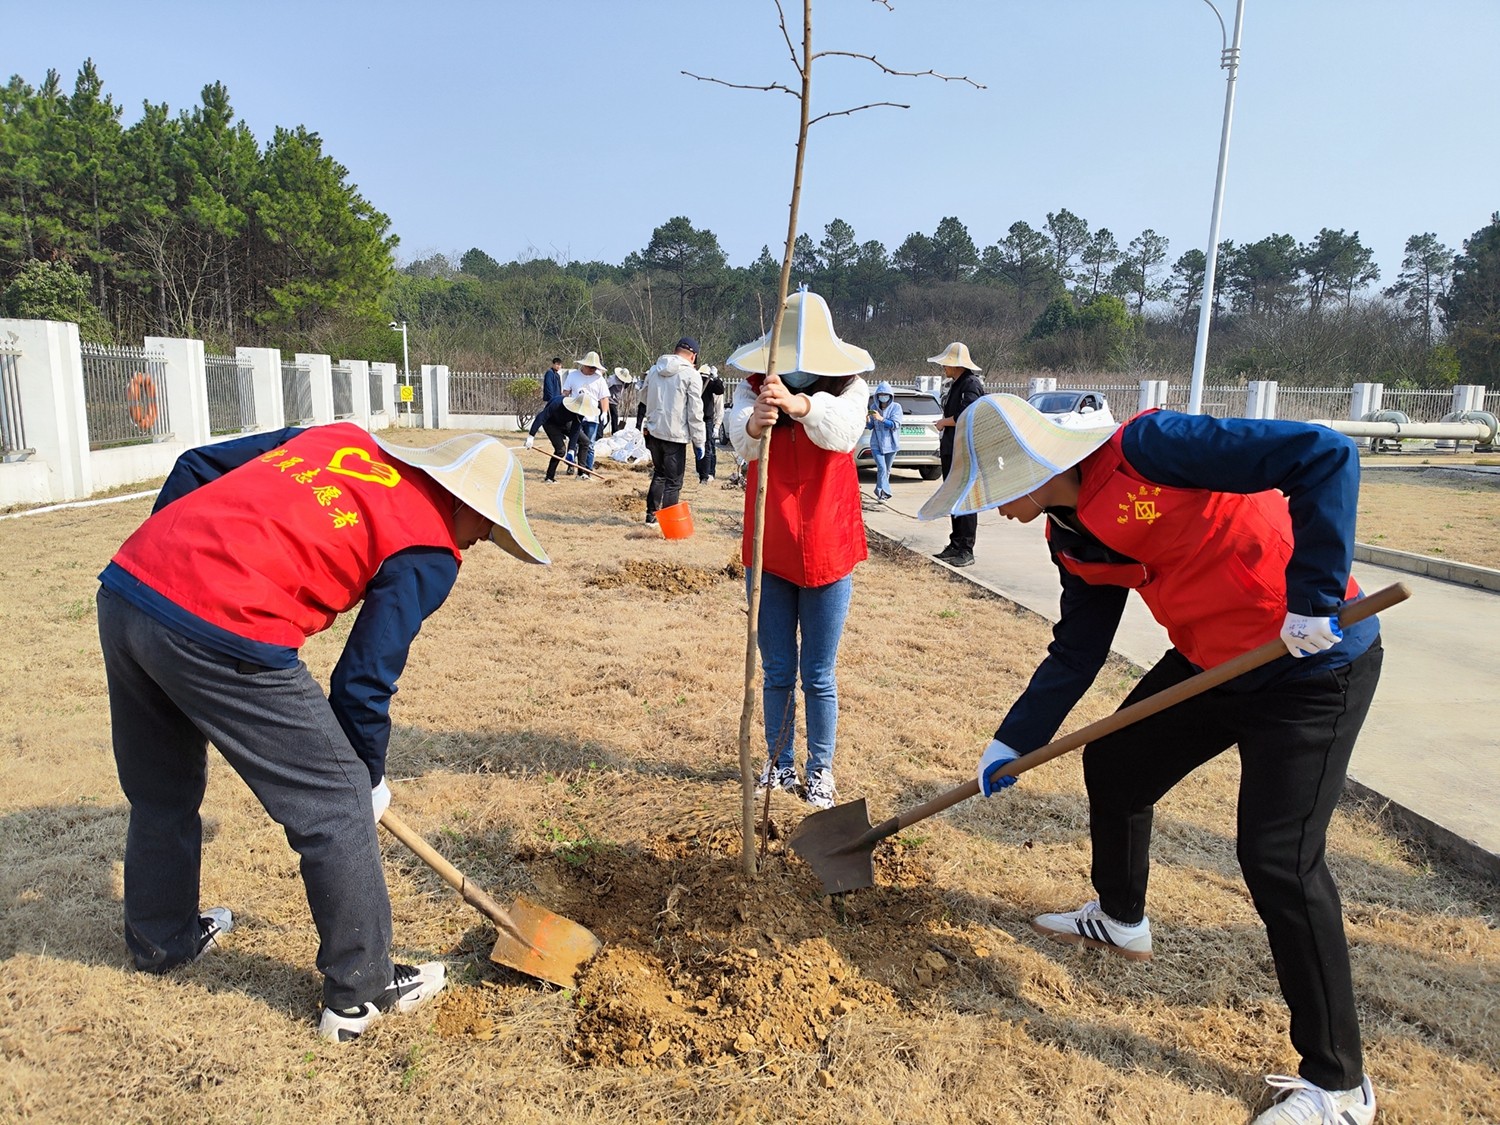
x=1229, y=59
x=405, y=361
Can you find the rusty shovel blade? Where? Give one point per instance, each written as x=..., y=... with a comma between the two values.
x=838, y=844
x=550, y=947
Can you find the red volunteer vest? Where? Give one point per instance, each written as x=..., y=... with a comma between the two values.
x=815, y=529
x=1212, y=565
x=277, y=548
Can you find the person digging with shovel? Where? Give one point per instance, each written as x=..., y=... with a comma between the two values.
x=1234, y=532
x=253, y=546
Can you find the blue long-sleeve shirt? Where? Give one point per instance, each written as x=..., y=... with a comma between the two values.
x=1318, y=471
x=407, y=589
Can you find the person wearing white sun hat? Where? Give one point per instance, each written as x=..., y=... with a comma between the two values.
x=814, y=409
x=254, y=545
x=964, y=390
x=1233, y=532
x=586, y=396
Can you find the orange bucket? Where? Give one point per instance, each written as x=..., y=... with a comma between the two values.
x=676, y=522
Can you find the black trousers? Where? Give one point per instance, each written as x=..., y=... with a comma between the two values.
x=557, y=432
x=668, y=464
x=1295, y=740
x=964, y=530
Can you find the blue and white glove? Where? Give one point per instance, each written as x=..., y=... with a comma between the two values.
x=1304, y=636
x=995, y=755
x=380, y=799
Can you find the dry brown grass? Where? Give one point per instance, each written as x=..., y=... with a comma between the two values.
x=571, y=732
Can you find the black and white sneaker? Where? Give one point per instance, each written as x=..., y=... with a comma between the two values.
x=212, y=922
x=411, y=987
x=783, y=778
x=1090, y=926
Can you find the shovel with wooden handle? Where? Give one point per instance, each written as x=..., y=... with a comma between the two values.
x=838, y=844
x=531, y=939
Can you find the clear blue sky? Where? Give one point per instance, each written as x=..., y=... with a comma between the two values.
x=564, y=128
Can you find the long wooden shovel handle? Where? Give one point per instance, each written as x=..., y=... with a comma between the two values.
x=555, y=457
x=451, y=875
x=1352, y=613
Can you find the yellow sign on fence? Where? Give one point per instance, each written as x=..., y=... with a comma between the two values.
x=406, y=393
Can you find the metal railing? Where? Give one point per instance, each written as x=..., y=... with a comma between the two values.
x=13, y=445
x=296, y=393
x=124, y=396
x=1418, y=406
x=485, y=392
x=343, y=391
x=377, y=391
x=231, y=395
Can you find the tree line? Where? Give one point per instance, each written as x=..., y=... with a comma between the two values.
x=184, y=225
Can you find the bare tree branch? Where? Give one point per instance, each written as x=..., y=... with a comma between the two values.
x=899, y=73
x=741, y=85
x=787, y=35
x=856, y=109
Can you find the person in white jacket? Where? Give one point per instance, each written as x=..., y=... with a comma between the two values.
x=674, y=422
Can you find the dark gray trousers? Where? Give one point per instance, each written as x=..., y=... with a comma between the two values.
x=168, y=697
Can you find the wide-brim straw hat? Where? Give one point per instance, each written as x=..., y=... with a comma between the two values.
x=590, y=360
x=1004, y=448
x=585, y=406
x=956, y=355
x=808, y=343
x=479, y=470
x=623, y=374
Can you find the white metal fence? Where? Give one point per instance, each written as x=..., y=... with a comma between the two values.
x=125, y=396
x=296, y=393
x=343, y=391
x=13, y=445
x=231, y=394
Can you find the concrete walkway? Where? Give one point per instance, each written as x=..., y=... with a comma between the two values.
x=1431, y=746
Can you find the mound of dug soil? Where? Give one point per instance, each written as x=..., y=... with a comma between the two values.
x=665, y=577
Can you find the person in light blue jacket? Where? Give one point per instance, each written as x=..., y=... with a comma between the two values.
x=884, y=423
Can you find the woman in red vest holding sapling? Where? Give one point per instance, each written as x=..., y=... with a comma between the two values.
x=253, y=546
x=814, y=407
x=1233, y=532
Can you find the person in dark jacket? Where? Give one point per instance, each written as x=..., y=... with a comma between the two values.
x=713, y=400
x=254, y=545
x=963, y=392
x=1233, y=532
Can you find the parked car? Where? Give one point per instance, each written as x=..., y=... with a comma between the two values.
x=1077, y=410
x=919, y=435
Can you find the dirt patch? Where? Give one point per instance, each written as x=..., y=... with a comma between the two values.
x=666, y=577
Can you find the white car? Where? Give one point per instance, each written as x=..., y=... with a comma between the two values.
x=1077, y=410
x=919, y=436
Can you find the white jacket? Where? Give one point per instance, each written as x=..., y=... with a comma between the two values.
x=674, y=401
x=834, y=421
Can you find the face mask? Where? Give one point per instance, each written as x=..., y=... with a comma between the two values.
x=797, y=380
x=884, y=400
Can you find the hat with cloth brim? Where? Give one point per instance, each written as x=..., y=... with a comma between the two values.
x=1005, y=448
x=807, y=343
x=623, y=374
x=956, y=355
x=590, y=360
x=585, y=406
x=479, y=471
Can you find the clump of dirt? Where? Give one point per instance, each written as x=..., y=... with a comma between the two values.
x=635, y=502
x=665, y=577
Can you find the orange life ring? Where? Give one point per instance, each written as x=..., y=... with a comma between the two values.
x=140, y=397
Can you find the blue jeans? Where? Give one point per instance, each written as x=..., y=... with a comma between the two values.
x=581, y=443
x=818, y=612
x=883, y=470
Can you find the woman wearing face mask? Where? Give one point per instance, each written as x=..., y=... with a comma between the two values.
x=884, y=424
x=814, y=409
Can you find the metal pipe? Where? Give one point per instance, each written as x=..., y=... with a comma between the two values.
x=1481, y=432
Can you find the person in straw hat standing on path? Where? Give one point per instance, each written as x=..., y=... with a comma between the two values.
x=673, y=396
x=963, y=392
x=586, y=394
x=1234, y=532
x=814, y=530
x=253, y=546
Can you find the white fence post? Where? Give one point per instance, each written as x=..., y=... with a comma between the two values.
x=1153, y=394
x=265, y=376
x=1038, y=384
x=359, y=389
x=1468, y=396
x=320, y=375
x=187, y=388
x=390, y=406
x=1260, y=398
x=49, y=371
x=434, y=395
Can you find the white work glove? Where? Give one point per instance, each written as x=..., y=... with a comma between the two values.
x=995, y=755
x=529, y=442
x=1304, y=636
x=380, y=799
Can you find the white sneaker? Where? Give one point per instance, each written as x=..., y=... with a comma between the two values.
x=778, y=777
x=412, y=986
x=212, y=922
x=1090, y=926
x=1307, y=1104
x=821, y=792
